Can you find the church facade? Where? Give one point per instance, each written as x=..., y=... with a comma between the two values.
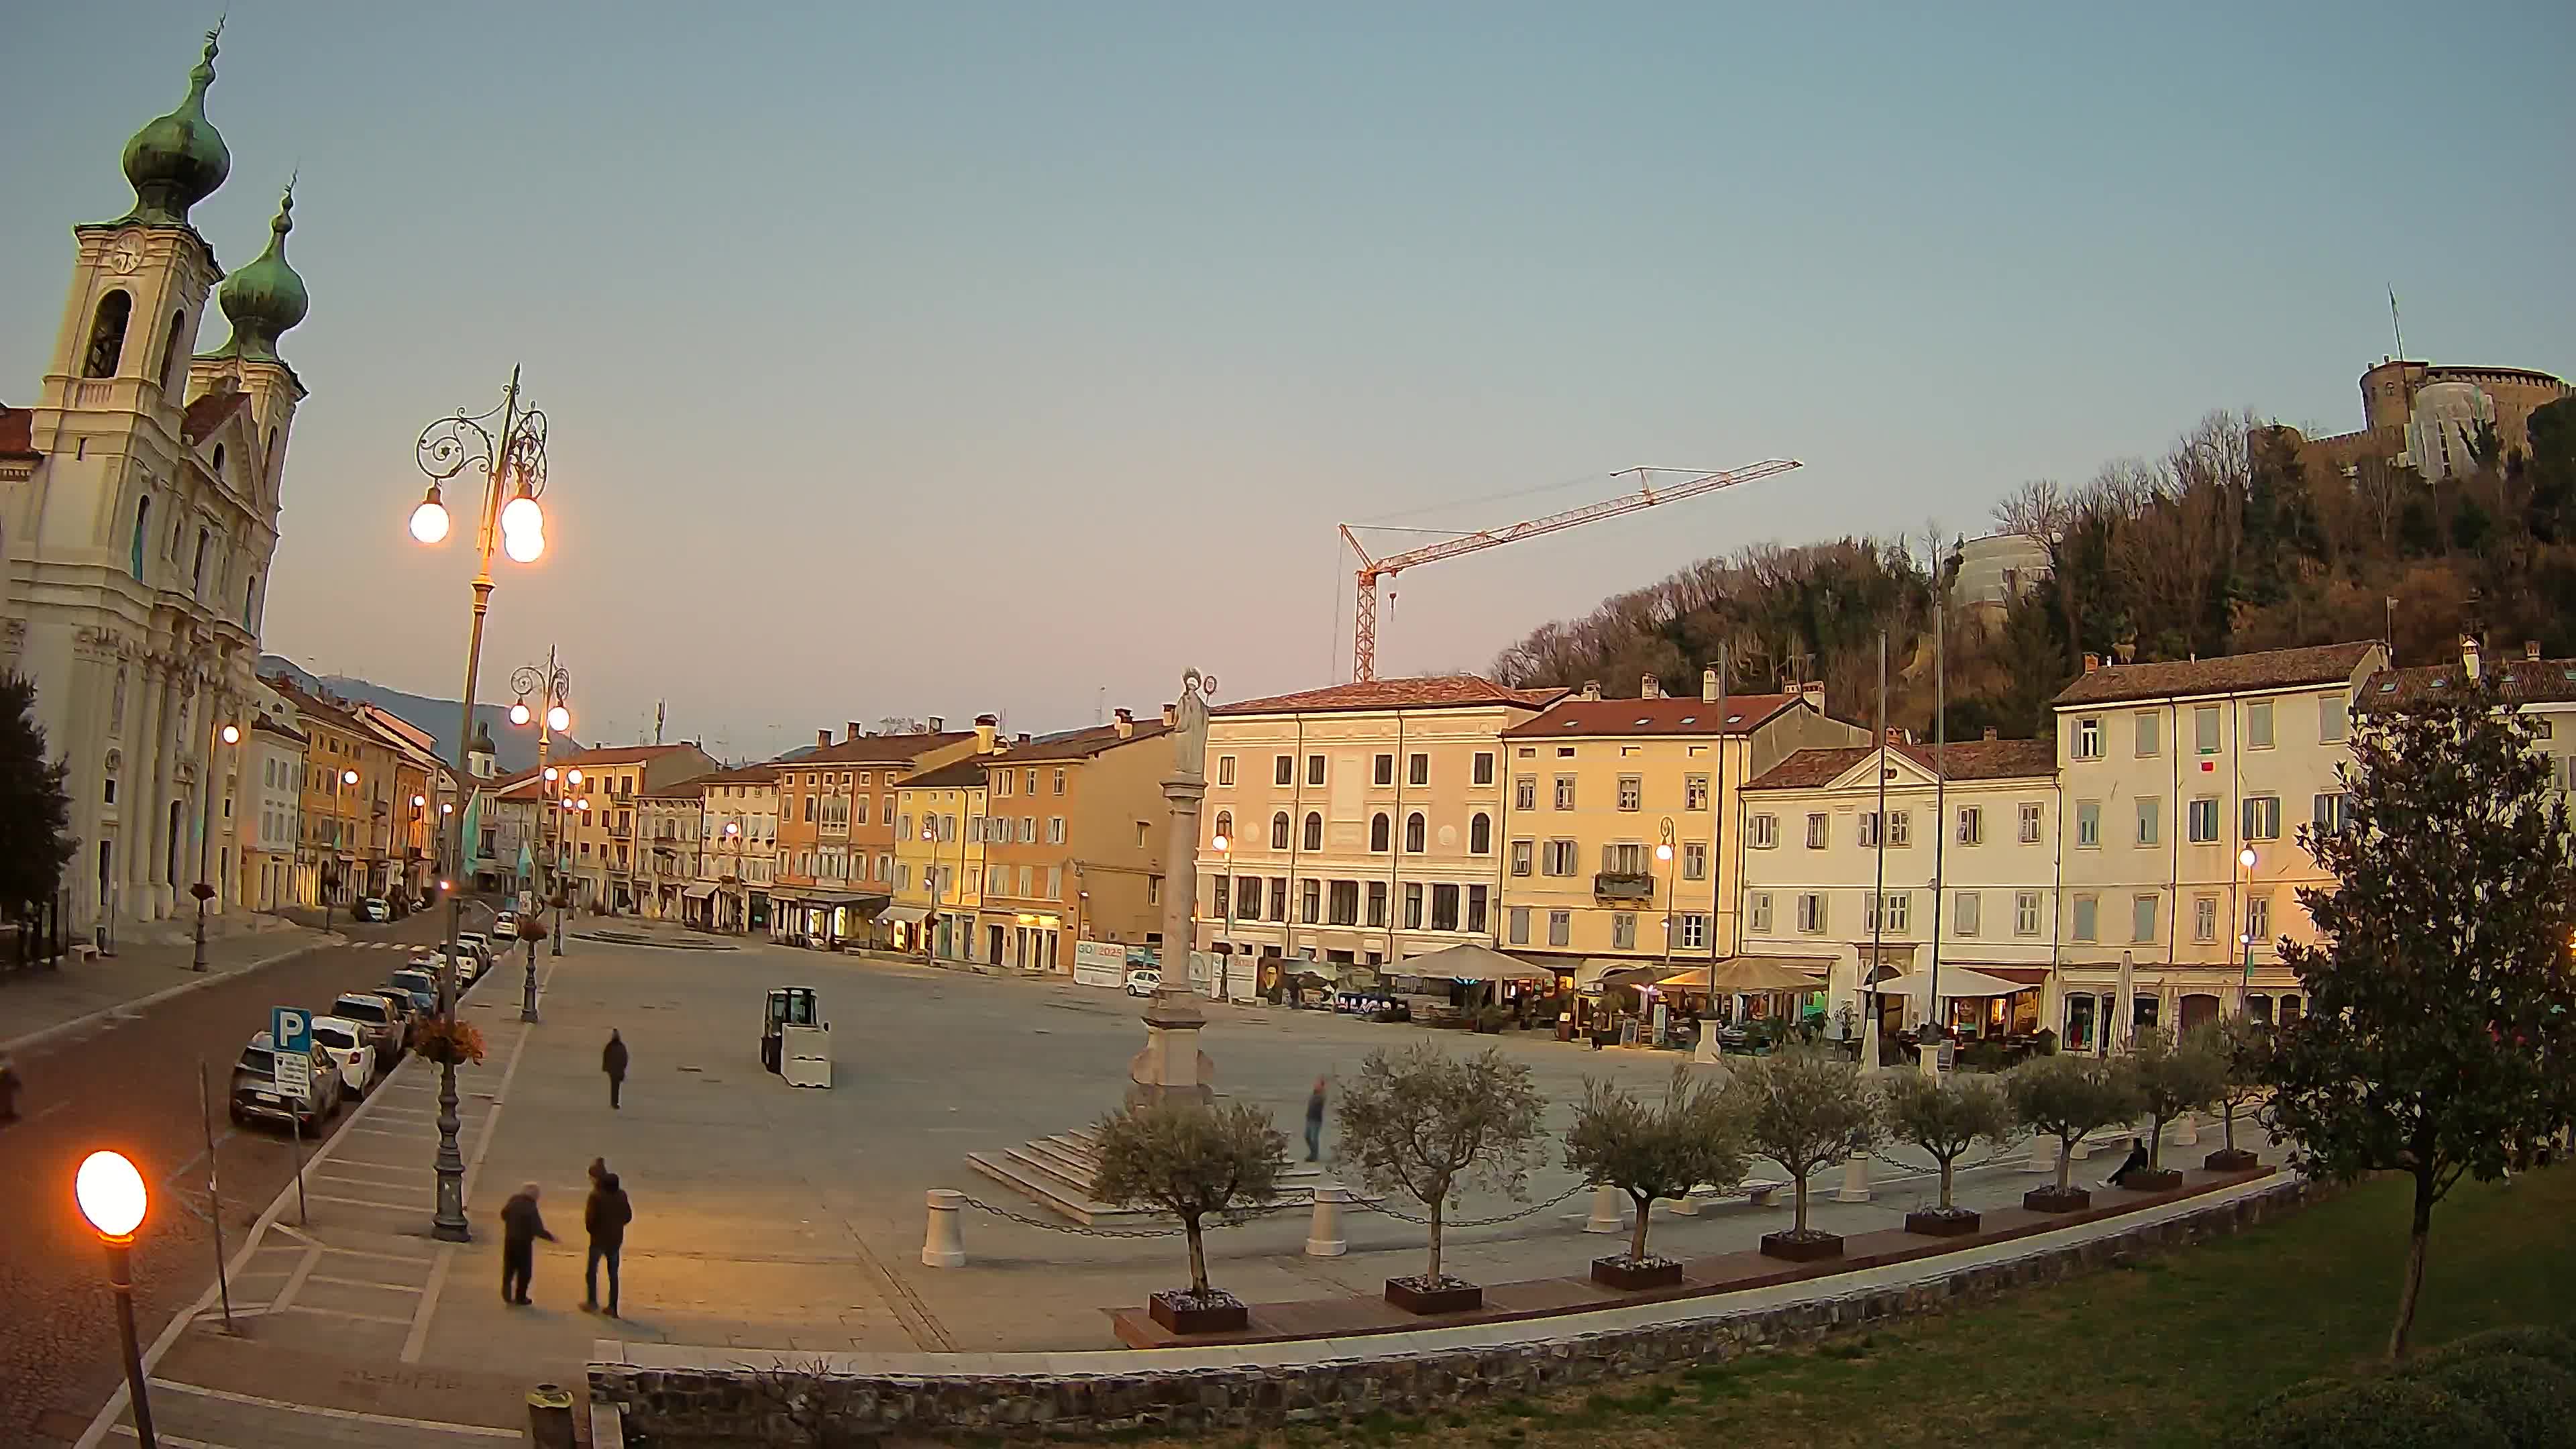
x=139, y=502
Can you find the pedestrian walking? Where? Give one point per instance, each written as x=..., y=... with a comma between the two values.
x=604, y=1218
x=521, y=1226
x=1315, y=1121
x=598, y=1169
x=612, y=1060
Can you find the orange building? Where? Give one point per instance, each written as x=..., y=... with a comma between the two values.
x=1075, y=828
x=836, y=822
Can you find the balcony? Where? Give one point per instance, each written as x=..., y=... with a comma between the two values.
x=1624, y=887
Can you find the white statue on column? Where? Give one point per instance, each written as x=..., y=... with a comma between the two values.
x=1171, y=1067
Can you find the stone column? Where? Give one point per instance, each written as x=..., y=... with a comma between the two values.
x=1171, y=1067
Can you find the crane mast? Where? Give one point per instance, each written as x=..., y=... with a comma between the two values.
x=1371, y=570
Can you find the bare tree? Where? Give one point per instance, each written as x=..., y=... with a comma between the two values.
x=2042, y=510
x=1425, y=1123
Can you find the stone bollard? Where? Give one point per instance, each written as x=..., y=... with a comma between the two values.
x=1324, y=1232
x=943, y=1246
x=550, y=1417
x=2187, y=1130
x=1684, y=1206
x=1855, y=1186
x=1605, y=1209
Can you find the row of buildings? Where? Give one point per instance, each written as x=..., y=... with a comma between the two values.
x=1650, y=839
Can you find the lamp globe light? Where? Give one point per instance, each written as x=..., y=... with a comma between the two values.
x=110, y=1193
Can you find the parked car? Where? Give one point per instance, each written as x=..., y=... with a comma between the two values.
x=255, y=1097
x=386, y=1029
x=1144, y=981
x=375, y=908
x=505, y=926
x=350, y=1046
x=479, y=946
x=420, y=987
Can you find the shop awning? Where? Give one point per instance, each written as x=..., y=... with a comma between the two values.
x=905, y=915
x=1625, y=975
x=699, y=892
x=833, y=898
x=1956, y=981
x=1756, y=975
x=1468, y=961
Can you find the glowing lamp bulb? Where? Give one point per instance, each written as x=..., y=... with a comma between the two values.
x=584, y=807
x=417, y=802
x=519, y=713
x=429, y=520
x=523, y=515
x=232, y=734
x=1221, y=842
x=574, y=776
x=1663, y=852
x=550, y=773
x=348, y=777
x=2245, y=857
x=110, y=1193
x=559, y=719
x=525, y=546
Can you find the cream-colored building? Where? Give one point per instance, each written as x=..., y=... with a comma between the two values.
x=2169, y=772
x=1596, y=786
x=1364, y=821
x=270, y=823
x=1967, y=851
x=738, y=854
x=669, y=826
x=939, y=859
x=600, y=844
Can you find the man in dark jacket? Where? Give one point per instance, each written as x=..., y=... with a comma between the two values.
x=612, y=1060
x=605, y=1218
x=520, y=1228
x=2136, y=1162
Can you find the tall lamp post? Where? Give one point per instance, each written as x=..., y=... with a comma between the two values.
x=2245, y=933
x=929, y=928
x=1225, y=853
x=513, y=463
x=111, y=1196
x=204, y=892
x=1664, y=856
x=733, y=832
x=553, y=687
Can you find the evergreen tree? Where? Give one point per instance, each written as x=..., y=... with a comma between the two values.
x=2439, y=1037
x=35, y=813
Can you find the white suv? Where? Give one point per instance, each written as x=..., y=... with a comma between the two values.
x=352, y=1046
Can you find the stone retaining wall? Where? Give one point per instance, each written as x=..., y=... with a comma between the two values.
x=738, y=1405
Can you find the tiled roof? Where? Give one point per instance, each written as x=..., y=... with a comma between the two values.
x=619, y=754
x=1582, y=718
x=2227, y=674
x=764, y=773
x=957, y=774
x=692, y=788
x=208, y=412
x=265, y=725
x=2520, y=681
x=337, y=713
x=1079, y=744
x=876, y=749
x=1962, y=760
x=1439, y=691
x=18, y=433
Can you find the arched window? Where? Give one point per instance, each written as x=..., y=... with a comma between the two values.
x=1413, y=832
x=1279, y=831
x=107, y=335
x=197, y=570
x=1480, y=834
x=250, y=604
x=1225, y=826
x=142, y=531
x=1379, y=828
x=170, y=351
x=1314, y=831
x=219, y=462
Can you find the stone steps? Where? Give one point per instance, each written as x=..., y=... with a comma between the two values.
x=1056, y=1172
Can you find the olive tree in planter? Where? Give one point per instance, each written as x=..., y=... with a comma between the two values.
x=2173, y=1076
x=1650, y=1151
x=1945, y=1116
x=2065, y=1097
x=1805, y=1109
x=2241, y=1044
x=1426, y=1124
x=1194, y=1162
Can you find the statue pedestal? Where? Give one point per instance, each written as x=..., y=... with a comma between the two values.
x=1171, y=1067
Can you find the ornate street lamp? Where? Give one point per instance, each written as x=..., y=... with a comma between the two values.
x=511, y=455
x=111, y=1196
x=551, y=686
x=204, y=892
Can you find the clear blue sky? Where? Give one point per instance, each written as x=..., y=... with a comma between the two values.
x=915, y=360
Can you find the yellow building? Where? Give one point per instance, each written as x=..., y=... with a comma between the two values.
x=1363, y=822
x=346, y=806
x=939, y=860
x=1617, y=845
x=1074, y=843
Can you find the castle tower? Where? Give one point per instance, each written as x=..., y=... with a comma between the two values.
x=137, y=554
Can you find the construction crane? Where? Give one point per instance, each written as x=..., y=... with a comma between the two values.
x=1371, y=570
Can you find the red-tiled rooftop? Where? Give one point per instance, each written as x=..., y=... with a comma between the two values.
x=877, y=749
x=2518, y=680
x=1961, y=760
x=1437, y=691
x=2226, y=674
x=1079, y=744
x=208, y=412
x=1593, y=718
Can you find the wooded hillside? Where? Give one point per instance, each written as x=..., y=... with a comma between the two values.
x=2226, y=543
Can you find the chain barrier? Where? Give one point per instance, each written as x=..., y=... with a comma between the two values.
x=1446, y=1224
x=1081, y=1231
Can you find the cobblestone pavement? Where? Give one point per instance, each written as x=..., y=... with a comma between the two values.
x=130, y=1082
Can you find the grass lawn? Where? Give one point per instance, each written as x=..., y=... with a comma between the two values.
x=2164, y=1353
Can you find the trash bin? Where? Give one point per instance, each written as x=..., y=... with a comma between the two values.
x=550, y=1417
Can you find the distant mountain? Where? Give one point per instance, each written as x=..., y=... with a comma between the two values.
x=515, y=747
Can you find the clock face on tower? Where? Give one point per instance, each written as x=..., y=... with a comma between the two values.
x=124, y=255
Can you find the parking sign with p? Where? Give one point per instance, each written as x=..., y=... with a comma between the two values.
x=290, y=1031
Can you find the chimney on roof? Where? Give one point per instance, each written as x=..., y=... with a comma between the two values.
x=1591, y=689
x=1021, y=738
x=1125, y=724
x=822, y=738
x=2531, y=651
x=1171, y=715
x=1814, y=690
x=1650, y=687
x=2469, y=657
x=1708, y=685
x=2092, y=661
x=850, y=731
x=938, y=724
x=986, y=727
x=1991, y=733
x=1895, y=736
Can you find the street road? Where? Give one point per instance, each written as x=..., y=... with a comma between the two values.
x=132, y=1085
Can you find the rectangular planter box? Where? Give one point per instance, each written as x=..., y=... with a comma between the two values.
x=1227, y=1317
x=1801, y=1250
x=1455, y=1298
x=2050, y=1200
x=2224, y=1160
x=1635, y=1277
x=1936, y=1224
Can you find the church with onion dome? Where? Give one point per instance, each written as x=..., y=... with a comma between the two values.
x=139, y=499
